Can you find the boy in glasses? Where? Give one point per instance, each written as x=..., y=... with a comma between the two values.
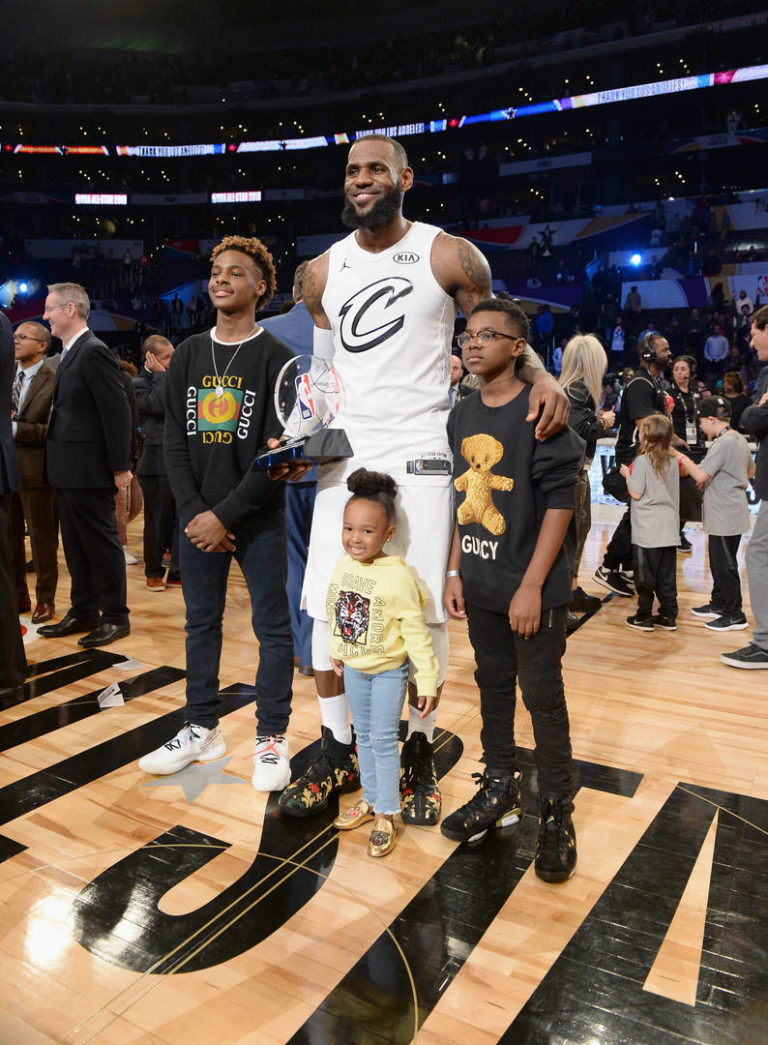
x=509, y=577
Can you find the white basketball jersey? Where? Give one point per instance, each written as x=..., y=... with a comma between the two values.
x=392, y=326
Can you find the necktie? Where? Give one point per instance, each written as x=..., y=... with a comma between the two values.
x=16, y=394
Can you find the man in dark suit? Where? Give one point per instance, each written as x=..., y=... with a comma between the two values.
x=296, y=328
x=457, y=389
x=13, y=663
x=159, y=506
x=87, y=455
x=35, y=504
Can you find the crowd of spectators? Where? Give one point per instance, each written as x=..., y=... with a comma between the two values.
x=290, y=70
x=718, y=341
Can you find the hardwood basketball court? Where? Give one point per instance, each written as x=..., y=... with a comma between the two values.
x=179, y=910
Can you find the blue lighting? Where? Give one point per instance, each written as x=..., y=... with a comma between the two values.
x=636, y=260
x=23, y=288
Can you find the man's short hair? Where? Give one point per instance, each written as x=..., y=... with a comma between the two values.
x=760, y=317
x=400, y=153
x=510, y=309
x=75, y=293
x=255, y=250
x=151, y=343
x=40, y=331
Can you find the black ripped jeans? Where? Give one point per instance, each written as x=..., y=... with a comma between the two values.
x=503, y=658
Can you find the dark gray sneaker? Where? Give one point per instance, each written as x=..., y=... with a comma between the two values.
x=727, y=622
x=665, y=623
x=583, y=603
x=640, y=623
x=707, y=612
x=752, y=657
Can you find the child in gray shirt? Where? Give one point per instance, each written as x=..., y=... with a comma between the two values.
x=723, y=476
x=653, y=484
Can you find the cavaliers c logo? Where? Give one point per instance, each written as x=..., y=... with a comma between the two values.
x=366, y=319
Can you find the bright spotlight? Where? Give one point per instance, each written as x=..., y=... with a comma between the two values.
x=636, y=260
x=23, y=288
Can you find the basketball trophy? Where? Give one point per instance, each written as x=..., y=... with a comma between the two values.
x=308, y=398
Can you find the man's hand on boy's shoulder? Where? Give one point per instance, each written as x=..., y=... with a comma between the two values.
x=549, y=403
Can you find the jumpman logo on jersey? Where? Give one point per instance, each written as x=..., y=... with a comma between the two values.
x=344, y=265
x=365, y=317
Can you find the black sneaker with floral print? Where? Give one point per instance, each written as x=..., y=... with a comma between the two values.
x=556, y=846
x=495, y=804
x=334, y=771
x=420, y=798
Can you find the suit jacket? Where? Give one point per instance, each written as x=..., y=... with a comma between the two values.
x=296, y=328
x=133, y=407
x=89, y=433
x=150, y=399
x=31, y=426
x=754, y=421
x=10, y=477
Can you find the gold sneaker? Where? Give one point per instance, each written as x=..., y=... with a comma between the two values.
x=359, y=813
x=383, y=837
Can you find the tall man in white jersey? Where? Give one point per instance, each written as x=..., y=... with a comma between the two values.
x=384, y=301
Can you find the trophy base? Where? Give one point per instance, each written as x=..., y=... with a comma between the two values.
x=329, y=444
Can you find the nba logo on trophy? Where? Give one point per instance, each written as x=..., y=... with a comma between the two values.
x=304, y=394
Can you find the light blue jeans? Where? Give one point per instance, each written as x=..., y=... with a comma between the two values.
x=376, y=702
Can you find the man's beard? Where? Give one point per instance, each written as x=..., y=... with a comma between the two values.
x=381, y=213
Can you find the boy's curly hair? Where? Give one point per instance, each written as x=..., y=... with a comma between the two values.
x=256, y=250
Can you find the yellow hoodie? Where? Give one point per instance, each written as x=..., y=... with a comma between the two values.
x=376, y=615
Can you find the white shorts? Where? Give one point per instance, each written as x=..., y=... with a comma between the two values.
x=424, y=528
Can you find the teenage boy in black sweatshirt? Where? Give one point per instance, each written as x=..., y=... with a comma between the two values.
x=219, y=412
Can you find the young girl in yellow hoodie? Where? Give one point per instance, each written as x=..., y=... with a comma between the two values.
x=376, y=610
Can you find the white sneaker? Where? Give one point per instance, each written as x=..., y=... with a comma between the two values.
x=271, y=764
x=191, y=744
x=130, y=560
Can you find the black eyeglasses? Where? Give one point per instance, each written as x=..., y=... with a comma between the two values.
x=484, y=337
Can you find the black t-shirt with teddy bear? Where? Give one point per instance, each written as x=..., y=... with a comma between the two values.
x=504, y=481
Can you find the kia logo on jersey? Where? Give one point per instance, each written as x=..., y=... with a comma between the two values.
x=366, y=319
x=406, y=257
